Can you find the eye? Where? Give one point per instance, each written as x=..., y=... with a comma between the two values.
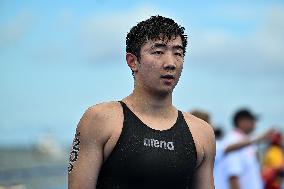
x=179, y=54
x=158, y=52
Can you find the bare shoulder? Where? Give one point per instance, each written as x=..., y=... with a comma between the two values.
x=98, y=120
x=104, y=111
x=203, y=136
x=198, y=126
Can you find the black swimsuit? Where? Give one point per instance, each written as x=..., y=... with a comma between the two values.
x=147, y=158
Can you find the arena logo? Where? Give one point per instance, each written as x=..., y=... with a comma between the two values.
x=159, y=144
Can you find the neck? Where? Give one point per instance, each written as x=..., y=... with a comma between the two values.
x=241, y=131
x=151, y=104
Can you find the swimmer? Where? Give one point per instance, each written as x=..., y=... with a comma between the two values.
x=144, y=141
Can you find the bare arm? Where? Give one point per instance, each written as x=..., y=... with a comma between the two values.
x=238, y=145
x=234, y=182
x=86, y=156
x=203, y=178
x=264, y=136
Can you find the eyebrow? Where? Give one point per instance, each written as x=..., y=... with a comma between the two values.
x=159, y=45
x=163, y=45
x=178, y=47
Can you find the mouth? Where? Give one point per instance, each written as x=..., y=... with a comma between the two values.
x=168, y=79
x=168, y=76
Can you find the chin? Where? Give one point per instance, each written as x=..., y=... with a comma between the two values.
x=165, y=92
x=161, y=91
x=250, y=131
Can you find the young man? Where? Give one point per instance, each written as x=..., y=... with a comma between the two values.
x=143, y=141
x=242, y=166
x=220, y=166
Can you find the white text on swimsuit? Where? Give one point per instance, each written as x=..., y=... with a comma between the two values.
x=159, y=144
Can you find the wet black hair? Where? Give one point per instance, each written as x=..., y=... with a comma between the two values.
x=219, y=133
x=155, y=27
x=243, y=114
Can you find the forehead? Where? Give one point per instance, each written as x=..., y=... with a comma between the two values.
x=172, y=42
x=247, y=119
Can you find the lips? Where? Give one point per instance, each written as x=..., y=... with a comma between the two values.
x=168, y=79
x=167, y=76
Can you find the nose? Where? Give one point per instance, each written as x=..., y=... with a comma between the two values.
x=169, y=62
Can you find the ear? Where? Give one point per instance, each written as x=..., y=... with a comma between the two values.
x=131, y=60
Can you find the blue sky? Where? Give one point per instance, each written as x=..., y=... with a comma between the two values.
x=59, y=57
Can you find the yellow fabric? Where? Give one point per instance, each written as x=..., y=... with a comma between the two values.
x=273, y=157
x=273, y=160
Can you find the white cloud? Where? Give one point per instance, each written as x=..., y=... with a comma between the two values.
x=65, y=17
x=103, y=37
x=270, y=39
x=15, y=29
x=258, y=51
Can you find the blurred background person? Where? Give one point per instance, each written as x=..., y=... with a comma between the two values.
x=273, y=163
x=220, y=176
x=201, y=114
x=222, y=150
x=243, y=170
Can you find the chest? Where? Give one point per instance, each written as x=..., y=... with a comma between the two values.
x=141, y=152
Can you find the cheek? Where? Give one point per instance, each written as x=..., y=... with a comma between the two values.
x=148, y=68
x=250, y=126
x=180, y=68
